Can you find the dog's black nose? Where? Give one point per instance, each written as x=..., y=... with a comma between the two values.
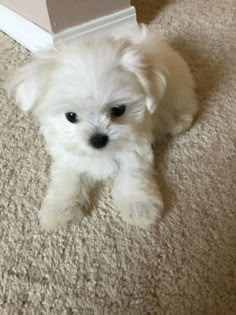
x=99, y=140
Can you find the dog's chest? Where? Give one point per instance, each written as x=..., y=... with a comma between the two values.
x=99, y=168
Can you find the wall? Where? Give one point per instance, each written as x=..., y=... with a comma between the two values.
x=57, y=15
x=68, y=13
x=34, y=10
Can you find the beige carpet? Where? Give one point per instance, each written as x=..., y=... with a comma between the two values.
x=187, y=265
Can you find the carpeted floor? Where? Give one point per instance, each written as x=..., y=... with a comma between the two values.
x=187, y=265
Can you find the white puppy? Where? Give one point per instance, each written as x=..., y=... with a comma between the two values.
x=100, y=104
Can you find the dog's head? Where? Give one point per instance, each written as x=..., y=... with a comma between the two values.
x=91, y=96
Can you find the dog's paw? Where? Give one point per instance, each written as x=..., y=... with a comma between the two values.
x=53, y=218
x=142, y=212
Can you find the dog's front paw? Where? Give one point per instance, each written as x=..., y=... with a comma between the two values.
x=142, y=212
x=55, y=217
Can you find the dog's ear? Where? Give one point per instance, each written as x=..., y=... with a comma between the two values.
x=29, y=83
x=153, y=83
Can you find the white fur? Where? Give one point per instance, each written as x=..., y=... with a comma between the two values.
x=139, y=70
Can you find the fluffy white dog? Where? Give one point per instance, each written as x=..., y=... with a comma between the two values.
x=101, y=103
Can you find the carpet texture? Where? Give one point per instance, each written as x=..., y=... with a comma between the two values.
x=184, y=266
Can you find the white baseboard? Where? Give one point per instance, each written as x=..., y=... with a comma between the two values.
x=23, y=30
x=35, y=38
x=101, y=25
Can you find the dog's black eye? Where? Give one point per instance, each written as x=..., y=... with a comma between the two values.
x=71, y=117
x=117, y=111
